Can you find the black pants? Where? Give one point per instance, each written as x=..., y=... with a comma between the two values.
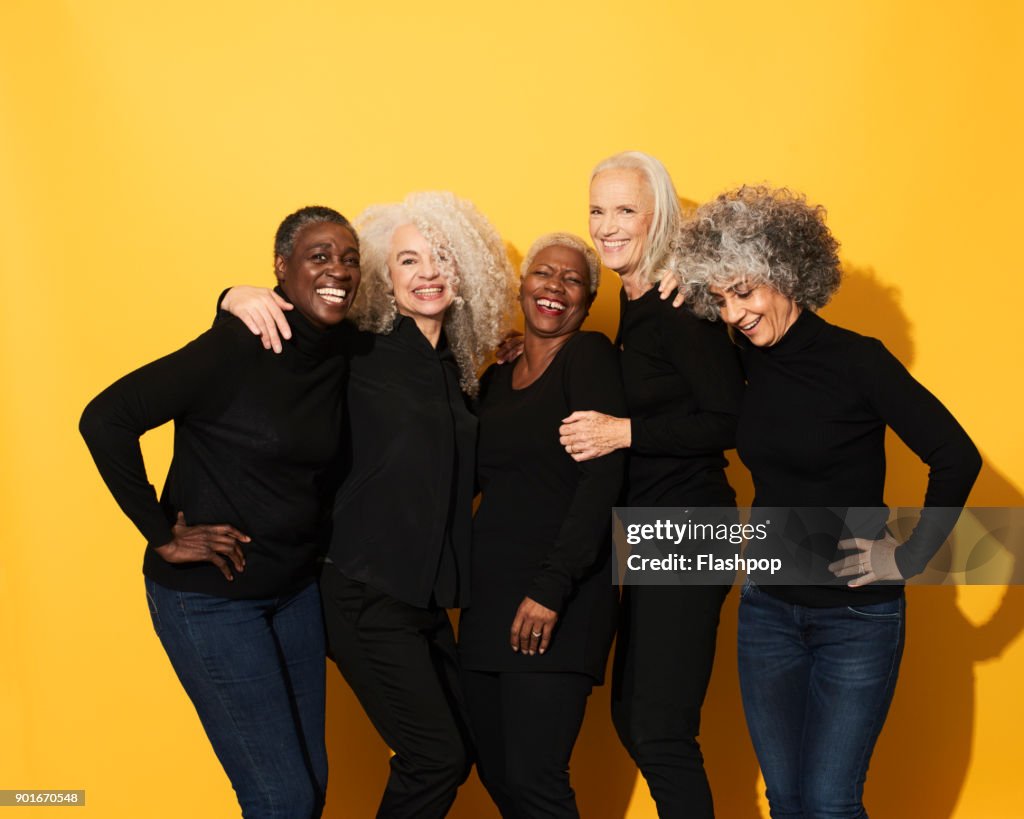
x=663, y=660
x=525, y=726
x=401, y=662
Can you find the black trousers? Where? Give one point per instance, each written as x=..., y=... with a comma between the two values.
x=402, y=664
x=525, y=726
x=663, y=657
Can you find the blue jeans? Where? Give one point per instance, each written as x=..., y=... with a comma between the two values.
x=816, y=686
x=255, y=671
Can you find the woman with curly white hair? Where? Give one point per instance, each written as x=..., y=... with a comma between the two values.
x=818, y=661
x=437, y=287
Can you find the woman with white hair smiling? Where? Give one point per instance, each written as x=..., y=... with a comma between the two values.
x=536, y=636
x=437, y=287
x=683, y=386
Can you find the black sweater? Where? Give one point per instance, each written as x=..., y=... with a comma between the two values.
x=812, y=433
x=543, y=528
x=683, y=385
x=403, y=514
x=254, y=439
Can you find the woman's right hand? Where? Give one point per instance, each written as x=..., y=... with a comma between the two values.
x=262, y=311
x=216, y=544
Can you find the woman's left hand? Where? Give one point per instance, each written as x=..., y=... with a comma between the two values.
x=587, y=434
x=532, y=627
x=873, y=560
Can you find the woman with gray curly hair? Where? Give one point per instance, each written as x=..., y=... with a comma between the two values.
x=438, y=286
x=818, y=661
x=683, y=386
x=536, y=636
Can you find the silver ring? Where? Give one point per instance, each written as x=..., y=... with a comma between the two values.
x=537, y=633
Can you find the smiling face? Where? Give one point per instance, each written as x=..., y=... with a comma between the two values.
x=555, y=292
x=422, y=290
x=759, y=311
x=621, y=212
x=321, y=275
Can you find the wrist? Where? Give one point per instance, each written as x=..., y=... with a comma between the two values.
x=626, y=434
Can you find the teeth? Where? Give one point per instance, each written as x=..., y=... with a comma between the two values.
x=428, y=291
x=551, y=305
x=614, y=244
x=751, y=325
x=332, y=295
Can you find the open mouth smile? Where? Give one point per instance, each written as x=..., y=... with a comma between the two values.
x=550, y=306
x=332, y=295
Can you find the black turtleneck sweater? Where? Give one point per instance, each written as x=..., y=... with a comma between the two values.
x=403, y=515
x=812, y=433
x=683, y=385
x=255, y=435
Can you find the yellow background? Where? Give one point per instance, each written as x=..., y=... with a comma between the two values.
x=147, y=152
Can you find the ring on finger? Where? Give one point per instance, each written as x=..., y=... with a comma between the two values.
x=537, y=633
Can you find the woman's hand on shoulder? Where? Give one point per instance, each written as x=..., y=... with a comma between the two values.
x=872, y=560
x=510, y=347
x=262, y=311
x=669, y=283
x=532, y=627
x=218, y=544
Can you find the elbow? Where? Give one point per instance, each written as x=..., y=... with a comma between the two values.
x=973, y=461
x=90, y=422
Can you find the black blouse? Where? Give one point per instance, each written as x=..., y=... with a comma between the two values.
x=403, y=514
x=543, y=528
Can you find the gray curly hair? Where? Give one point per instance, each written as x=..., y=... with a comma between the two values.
x=667, y=213
x=464, y=247
x=569, y=240
x=758, y=235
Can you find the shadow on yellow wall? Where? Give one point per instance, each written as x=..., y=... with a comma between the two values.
x=922, y=758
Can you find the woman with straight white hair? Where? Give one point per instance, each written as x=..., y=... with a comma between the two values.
x=683, y=385
x=438, y=287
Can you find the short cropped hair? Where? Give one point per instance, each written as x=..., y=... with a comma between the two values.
x=665, y=224
x=569, y=240
x=758, y=235
x=284, y=239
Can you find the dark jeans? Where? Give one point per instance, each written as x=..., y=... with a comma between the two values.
x=401, y=662
x=816, y=686
x=525, y=726
x=663, y=659
x=254, y=669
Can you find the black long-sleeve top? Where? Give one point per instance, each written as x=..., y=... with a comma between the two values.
x=543, y=527
x=254, y=437
x=812, y=429
x=683, y=385
x=403, y=515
